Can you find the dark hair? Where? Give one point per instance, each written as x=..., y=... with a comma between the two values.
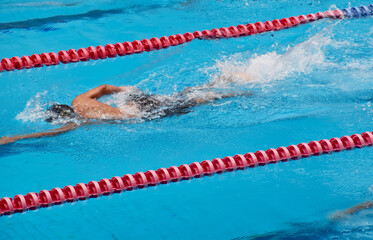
x=58, y=111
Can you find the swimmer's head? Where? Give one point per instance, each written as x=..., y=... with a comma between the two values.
x=60, y=111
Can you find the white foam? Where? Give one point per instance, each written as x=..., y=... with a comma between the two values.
x=121, y=101
x=34, y=110
x=261, y=69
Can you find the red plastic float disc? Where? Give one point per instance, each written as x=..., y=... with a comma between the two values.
x=19, y=203
x=284, y=154
x=260, y=27
x=156, y=43
x=17, y=62
x=189, y=36
x=45, y=198
x=129, y=48
x=165, y=42
x=140, y=179
x=273, y=155
x=216, y=33
x=32, y=200
x=208, y=167
x=315, y=147
x=57, y=195
x=164, y=175
x=148, y=46
x=26, y=61
x=269, y=26
x=251, y=159
x=70, y=193
x=137, y=46
x=74, y=57
x=101, y=52
x=175, y=173
x=83, y=54
x=197, y=169
x=242, y=30
x=62, y=55
x=151, y=177
x=106, y=186
x=262, y=157
x=46, y=59
x=117, y=184
x=186, y=171
x=92, y=53
x=251, y=29
x=54, y=58
x=129, y=182
x=219, y=165
x=81, y=191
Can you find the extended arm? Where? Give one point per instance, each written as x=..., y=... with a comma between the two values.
x=359, y=207
x=48, y=133
x=343, y=214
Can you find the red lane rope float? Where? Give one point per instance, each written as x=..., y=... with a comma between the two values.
x=128, y=48
x=81, y=191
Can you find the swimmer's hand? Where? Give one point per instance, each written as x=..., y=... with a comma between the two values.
x=6, y=140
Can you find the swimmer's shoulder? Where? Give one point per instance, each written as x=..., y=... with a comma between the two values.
x=78, y=100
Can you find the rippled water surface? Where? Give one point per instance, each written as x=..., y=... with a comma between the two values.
x=307, y=83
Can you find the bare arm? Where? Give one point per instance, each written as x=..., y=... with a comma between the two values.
x=48, y=133
x=88, y=106
x=358, y=207
x=105, y=89
x=343, y=214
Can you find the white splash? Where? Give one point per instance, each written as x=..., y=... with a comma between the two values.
x=370, y=189
x=121, y=100
x=34, y=110
x=301, y=58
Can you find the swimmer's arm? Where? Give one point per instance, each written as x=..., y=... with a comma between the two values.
x=48, y=133
x=105, y=89
x=343, y=214
x=358, y=207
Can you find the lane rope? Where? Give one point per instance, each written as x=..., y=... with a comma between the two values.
x=147, y=45
x=93, y=189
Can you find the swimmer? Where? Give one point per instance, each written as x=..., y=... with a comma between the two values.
x=140, y=105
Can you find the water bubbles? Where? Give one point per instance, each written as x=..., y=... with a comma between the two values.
x=34, y=110
x=263, y=69
x=370, y=189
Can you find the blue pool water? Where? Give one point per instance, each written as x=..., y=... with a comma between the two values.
x=311, y=82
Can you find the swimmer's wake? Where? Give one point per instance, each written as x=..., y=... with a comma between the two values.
x=131, y=103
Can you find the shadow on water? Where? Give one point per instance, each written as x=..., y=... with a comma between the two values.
x=316, y=230
x=18, y=148
x=40, y=22
x=39, y=4
x=93, y=14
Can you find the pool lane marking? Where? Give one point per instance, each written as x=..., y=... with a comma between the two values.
x=146, y=45
x=128, y=182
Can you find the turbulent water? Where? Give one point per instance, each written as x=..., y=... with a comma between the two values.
x=230, y=74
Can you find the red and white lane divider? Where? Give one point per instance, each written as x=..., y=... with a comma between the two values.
x=81, y=191
x=137, y=46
